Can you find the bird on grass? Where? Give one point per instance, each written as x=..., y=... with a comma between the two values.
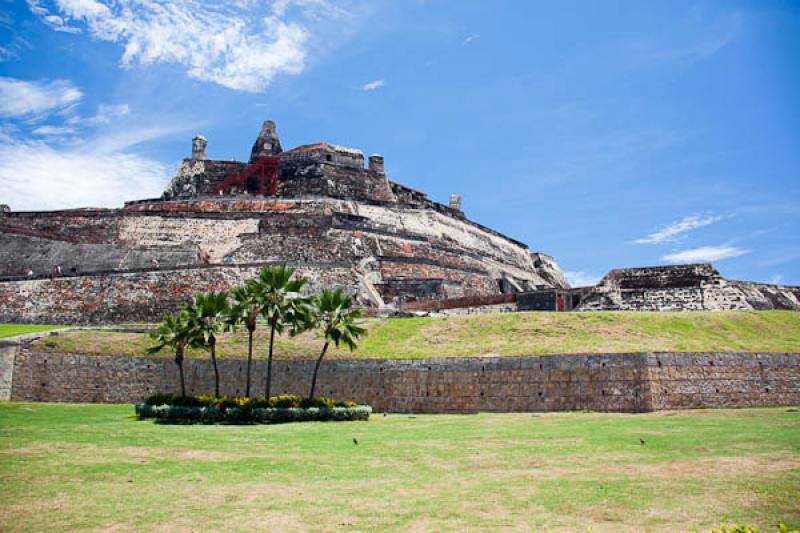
x=642, y=441
x=355, y=441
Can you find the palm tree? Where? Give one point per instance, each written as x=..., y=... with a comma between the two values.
x=333, y=312
x=208, y=317
x=280, y=303
x=173, y=332
x=245, y=310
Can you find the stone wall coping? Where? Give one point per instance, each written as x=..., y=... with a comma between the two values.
x=489, y=363
x=27, y=338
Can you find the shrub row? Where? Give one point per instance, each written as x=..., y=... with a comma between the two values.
x=780, y=528
x=259, y=415
x=240, y=402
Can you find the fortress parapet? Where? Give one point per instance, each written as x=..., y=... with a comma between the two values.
x=329, y=154
x=319, y=169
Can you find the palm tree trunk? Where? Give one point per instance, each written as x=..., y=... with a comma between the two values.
x=216, y=370
x=249, y=360
x=269, y=362
x=316, y=369
x=179, y=362
x=183, y=382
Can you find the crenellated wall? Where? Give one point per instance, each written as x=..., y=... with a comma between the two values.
x=621, y=382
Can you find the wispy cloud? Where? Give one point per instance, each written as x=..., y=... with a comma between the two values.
x=7, y=53
x=373, y=85
x=53, y=131
x=673, y=231
x=36, y=175
x=469, y=39
x=239, y=45
x=55, y=165
x=705, y=254
x=20, y=98
x=705, y=39
x=581, y=279
x=105, y=114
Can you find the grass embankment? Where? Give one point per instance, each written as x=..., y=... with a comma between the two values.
x=79, y=467
x=500, y=334
x=12, y=330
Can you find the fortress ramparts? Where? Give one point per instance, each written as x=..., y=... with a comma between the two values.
x=317, y=207
x=338, y=219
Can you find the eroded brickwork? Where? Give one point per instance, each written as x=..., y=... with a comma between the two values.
x=622, y=383
x=383, y=254
x=136, y=296
x=684, y=288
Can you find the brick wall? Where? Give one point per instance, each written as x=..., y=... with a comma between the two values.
x=136, y=296
x=623, y=382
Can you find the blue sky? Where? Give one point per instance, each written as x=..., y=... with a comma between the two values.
x=607, y=134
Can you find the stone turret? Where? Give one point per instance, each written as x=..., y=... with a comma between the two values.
x=199, y=144
x=376, y=164
x=267, y=142
x=455, y=202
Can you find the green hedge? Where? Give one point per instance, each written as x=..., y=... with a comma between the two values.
x=225, y=402
x=288, y=408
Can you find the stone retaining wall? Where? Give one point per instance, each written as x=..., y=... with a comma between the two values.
x=137, y=296
x=622, y=382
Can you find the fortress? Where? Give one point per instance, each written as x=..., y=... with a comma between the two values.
x=340, y=221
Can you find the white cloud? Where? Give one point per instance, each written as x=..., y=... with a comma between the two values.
x=53, y=131
x=777, y=279
x=238, y=45
x=705, y=254
x=20, y=98
x=581, y=279
x=35, y=176
x=59, y=24
x=373, y=85
x=105, y=114
x=672, y=232
x=469, y=39
x=6, y=53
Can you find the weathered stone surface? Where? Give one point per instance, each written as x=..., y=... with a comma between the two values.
x=338, y=222
x=381, y=253
x=684, y=288
x=621, y=382
x=7, y=354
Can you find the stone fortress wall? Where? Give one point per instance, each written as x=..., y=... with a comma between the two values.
x=335, y=220
x=698, y=287
x=620, y=383
x=378, y=252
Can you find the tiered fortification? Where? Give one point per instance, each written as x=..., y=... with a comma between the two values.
x=697, y=287
x=316, y=207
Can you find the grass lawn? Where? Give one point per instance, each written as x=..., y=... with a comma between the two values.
x=12, y=330
x=501, y=334
x=76, y=467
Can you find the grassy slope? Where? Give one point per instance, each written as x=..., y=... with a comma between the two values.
x=505, y=334
x=69, y=467
x=12, y=330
